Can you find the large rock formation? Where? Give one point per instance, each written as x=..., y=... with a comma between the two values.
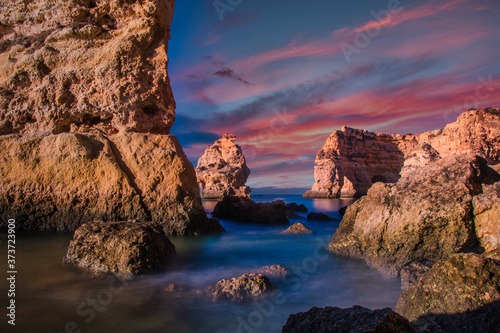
x=243, y=209
x=352, y=320
x=461, y=294
x=352, y=160
x=123, y=248
x=85, y=111
x=429, y=214
x=222, y=170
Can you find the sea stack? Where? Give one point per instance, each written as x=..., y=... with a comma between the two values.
x=85, y=114
x=352, y=160
x=222, y=170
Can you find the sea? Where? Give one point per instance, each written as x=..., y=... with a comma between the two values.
x=54, y=298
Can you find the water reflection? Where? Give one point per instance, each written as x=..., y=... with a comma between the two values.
x=331, y=205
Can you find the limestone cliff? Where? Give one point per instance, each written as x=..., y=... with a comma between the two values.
x=85, y=111
x=351, y=160
x=222, y=170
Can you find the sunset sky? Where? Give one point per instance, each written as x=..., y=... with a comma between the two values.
x=282, y=75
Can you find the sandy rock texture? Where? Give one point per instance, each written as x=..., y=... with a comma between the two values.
x=427, y=215
x=85, y=114
x=82, y=65
x=461, y=294
x=351, y=160
x=356, y=319
x=222, y=170
x=123, y=248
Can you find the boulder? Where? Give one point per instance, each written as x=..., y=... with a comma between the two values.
x=294, y=207
x=298, y=229
x=352, y=160
x=222, y=170
x=243, y=209
x=461, y=294
x=319, y=217
x=243, y=288
x=427, y=215
x=274, y=271
x=356, y=319
x=411, y=272
x=123, y=248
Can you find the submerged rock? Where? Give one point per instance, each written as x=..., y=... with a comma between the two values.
x=461, y=294
x=352, y=160
x=319, y=217
x=298, y=229
x=351, y=320
x=427, y=215
x=243, y=209
x=243, y=288
x=123, y=248
x=294, y=207
x=274, y=271
x=222, y=170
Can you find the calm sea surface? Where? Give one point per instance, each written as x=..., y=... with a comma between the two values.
x=54, y=298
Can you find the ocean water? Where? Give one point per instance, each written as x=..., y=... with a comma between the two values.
x=54, y=298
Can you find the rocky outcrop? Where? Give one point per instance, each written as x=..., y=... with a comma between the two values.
x=461, y=294
x=426, y=215
x=352, y=320
x=243, y=209
x=58, y=182
x=298, y=229
x=79, y=66
x=243, y=288
x=274, y=271
x=222, y=170
x=85, y=114
x=123, y=248
x=351, y=160
x=294, y=207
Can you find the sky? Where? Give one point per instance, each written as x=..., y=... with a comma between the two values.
x=283, y=75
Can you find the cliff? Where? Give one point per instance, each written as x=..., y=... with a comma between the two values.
x=222, y=170
x=85, y=111
x=351, y=160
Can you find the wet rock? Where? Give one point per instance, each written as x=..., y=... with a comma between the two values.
x=411, y=272
x=461, y=294
x=298, y=229
x=319, y=217
x=123, y=248
x=222, y=170
x=243, y=209
x=426, y=215
x=243, y=288
x=274, y=271
x=294, y=207
x=351, y=320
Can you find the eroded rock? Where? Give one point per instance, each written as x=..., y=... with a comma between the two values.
x=298, y=229
x=222, y=170
x=351, y=320
x=243, y=209
x=243, y=288
x=123, y=248
x=461, y=294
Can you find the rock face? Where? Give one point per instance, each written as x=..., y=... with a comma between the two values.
x=426, y=215
x=222, y=170
x=243, y=209
x=352, y=160
x=487, y=216
x=70, y=65
x=352, y=320
x=241, y=288
x=123, y=248
x=298, y=229
x=461, y=294
x=412, y=272
x=85, y=111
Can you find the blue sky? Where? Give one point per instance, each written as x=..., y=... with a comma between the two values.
x=282, y=75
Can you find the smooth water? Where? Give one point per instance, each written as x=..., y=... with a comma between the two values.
x=54, y=298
